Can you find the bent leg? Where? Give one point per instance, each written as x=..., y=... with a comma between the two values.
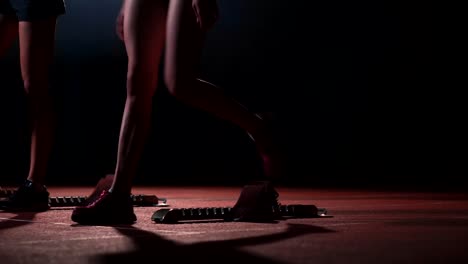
x=183, y=52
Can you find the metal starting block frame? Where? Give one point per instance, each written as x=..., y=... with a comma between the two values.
x=140, y=200
x=175, y=215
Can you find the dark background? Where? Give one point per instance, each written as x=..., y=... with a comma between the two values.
x=358, y=93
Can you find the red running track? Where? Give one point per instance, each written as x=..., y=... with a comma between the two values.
x=366, y=227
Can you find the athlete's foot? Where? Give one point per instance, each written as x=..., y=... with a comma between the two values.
x=29, y=197
x=258, y=202
x=107, y=209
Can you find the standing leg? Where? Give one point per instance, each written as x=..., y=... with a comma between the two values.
x=144, y=34
x=144, y=31
x=36, y=39
x=183, y=51
x=36, y=52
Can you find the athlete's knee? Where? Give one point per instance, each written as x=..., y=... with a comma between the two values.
x=141, y=81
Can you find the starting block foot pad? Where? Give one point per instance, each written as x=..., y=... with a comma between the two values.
x=175, y=215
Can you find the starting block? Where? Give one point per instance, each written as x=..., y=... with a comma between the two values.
x=175, y=215
x=258, y=202
x=140, y=200
x=4, y=193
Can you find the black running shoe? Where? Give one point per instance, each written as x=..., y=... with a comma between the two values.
x=107, y=209
x=258, y=202
x=27, y=198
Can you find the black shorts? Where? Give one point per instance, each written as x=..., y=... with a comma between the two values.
x=28, y=10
